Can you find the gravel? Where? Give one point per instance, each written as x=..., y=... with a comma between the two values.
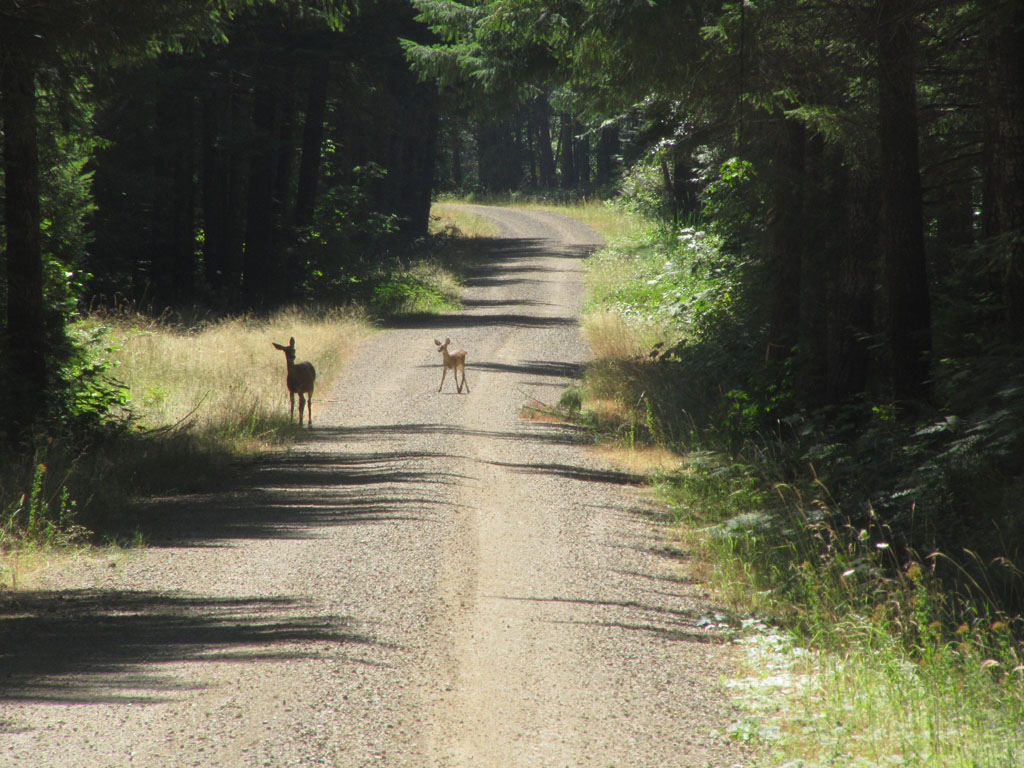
x=427, y=580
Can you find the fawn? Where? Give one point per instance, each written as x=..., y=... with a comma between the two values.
x=300, y=382
x=456, y=361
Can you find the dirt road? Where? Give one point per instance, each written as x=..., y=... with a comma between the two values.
x=426, y=581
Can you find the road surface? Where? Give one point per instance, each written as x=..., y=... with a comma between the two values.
x=426, y=581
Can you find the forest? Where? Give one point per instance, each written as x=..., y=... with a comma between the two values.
x=860, y=162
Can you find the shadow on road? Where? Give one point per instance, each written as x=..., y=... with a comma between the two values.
x=664, y=622
x=90, y=646
x=296, y=495
x=501, y=262
x=106, y=645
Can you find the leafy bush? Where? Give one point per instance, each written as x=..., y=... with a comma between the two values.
x=948, y=481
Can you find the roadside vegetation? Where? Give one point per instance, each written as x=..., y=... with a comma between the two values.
x=167, y=403
x=867, y=640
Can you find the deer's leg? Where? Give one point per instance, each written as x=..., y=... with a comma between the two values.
x=464, y=378
x=444, y=372
x=302, y=407
x=291, y=412
x=309, y=409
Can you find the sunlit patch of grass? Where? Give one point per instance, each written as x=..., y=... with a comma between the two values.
x=876, y=705
x=441, y=279
x=224, y=379
x=611, y=337
x=607, y=409
x=200, y=398
x=458, y=220
x=32, y=567
x=642, y=460
x=425, y=286
x=608, y=220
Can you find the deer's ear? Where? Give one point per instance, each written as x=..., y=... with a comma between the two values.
x=447, y=341
x=277, y=346
x=437, y=342
x=291, y=342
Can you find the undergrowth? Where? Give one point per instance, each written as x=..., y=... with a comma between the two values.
x=170, y=403
x=883, y=636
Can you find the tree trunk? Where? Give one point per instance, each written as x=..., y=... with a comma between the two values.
x=215, y=188
x=237, y=166
x=173, y=201
x=312, y=143
x=817, y=270
x=423, y=161
x=262, y=282
x=284, y=173
x=566, y=142
x=785, y=226
x=183, y=213
x=457, y=174
x=545, y=156
x=850, y=304
x=1003, y=205
x=583, y=161
x=26, y=381
x=607, y=148
x=908, y=307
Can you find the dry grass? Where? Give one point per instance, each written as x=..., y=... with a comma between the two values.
x=609, y=222
x=639, y=459
x=611, y=337
x=35, y=567
x=604, y=218
x=204, y=395
x=225, y=377
x=454, y=217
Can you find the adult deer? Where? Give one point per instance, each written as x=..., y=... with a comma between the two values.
x=456, y=361
x=301, y=377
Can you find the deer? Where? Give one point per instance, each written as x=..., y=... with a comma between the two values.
x=456, y=361
x=301, y=377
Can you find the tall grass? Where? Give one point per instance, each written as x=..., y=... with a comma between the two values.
x=456, y=221
x=198, y=397
x=606, y=218
x=223, y=379
x=183, y=400
x=862, y=657
x=867, y=659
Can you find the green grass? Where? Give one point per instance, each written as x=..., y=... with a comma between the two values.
x=427, y=286
x=875, y=705
x=860, y=657
x=605, y=218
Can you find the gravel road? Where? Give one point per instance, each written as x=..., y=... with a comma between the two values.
x=426, y=581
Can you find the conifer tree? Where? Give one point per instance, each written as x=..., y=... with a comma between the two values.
x=65, y=36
